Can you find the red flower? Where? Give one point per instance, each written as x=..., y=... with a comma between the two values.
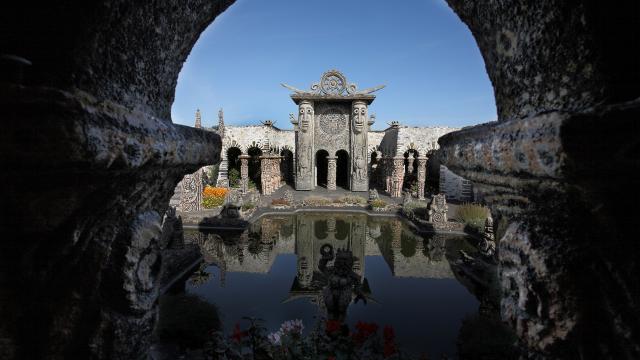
x=389, y=341
x=332, y=326
x=364, y=331
x=238, y=334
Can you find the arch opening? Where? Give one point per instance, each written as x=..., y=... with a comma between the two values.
x=322, y=168
x=342, y=169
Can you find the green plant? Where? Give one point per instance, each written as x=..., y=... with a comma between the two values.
x=212, y=174
x=210, y=202
x=472, y=215
x=248, y=206
x=186, y=320
x=234, y=177
x=378, y=203
x=252, y=185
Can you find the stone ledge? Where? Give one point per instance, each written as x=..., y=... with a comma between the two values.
x=80, y=131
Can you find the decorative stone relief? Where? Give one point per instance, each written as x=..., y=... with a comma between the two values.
x=397, y=177
x=191, y=199
x=359, y=116
x=332, y=127
x=270, y=178
x=438, y=211
x=304, y=143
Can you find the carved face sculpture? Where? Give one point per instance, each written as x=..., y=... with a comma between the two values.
x=359, y=116
x=306, y=115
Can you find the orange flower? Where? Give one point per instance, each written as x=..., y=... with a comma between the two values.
x=214, y=191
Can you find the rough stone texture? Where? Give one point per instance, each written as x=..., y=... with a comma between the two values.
x=557, y=169
x=555, y=55
x=191, y=194
x=90, y=159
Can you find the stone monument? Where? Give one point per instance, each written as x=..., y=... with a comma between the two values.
x=332, y=117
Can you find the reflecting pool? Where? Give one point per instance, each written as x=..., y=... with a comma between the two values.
x=283, y=267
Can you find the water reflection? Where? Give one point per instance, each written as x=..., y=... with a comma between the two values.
x=314, y=265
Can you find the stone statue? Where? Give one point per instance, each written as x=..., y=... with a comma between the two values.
x=373, y=194
x=306, y=116
x=341, y=282
x=359, y=116
x=487, y=245
x=172, y=230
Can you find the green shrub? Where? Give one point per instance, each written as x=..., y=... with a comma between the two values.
x=248, y=206
x=472, y=215
x=210, y=202
x=378, y=203
x=234, y=177
x=186, y=320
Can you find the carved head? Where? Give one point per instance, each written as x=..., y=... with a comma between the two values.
x=306, y=115
x=359, y=116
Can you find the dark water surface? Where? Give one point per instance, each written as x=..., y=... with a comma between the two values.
x=269, y=272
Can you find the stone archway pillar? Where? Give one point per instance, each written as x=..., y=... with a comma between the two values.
x=397, y=176
x=270, y=173
x=331, y=172
x=244, y=173
x=422, y=175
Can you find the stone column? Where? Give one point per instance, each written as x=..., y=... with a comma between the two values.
x=244, y=173
x=270, y=180
x=191, y=197
x=397, y=176
x=331, y=172
x=422, y=175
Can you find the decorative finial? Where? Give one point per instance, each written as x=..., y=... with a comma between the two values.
x=198, y=120
x=221, y=122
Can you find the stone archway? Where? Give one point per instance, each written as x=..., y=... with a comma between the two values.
x=554, y=66
x=286, y=166
x=233, y=166
x=255, y=171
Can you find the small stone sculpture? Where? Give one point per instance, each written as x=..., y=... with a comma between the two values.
x=438, y=211
x=373, y=194
x=341, y=281
x=487, y=244
x=172, y=230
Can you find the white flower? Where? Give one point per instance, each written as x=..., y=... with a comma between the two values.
x=292, y=326
x=274, y=337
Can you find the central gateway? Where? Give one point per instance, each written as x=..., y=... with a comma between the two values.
x=331, y=134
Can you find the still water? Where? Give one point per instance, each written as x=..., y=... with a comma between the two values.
x=271, y=271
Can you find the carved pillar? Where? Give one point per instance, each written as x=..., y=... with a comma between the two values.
x=422, y=175
x=397, y=176
x=244, y=173
x=191, y=199
x=331, y=173
x=359, y=129
x=396, y=233
x=270, y=170
x=304, y=146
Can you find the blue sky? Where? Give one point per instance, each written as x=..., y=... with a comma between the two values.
x=420, y=49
